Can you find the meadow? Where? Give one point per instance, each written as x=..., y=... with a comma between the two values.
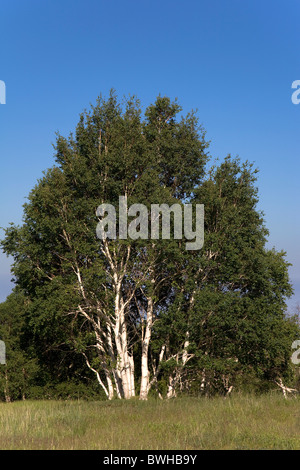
x=239, y=422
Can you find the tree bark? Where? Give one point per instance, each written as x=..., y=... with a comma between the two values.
x=145, y=374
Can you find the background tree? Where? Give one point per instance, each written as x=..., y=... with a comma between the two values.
x=17, y=375
x=228, y=319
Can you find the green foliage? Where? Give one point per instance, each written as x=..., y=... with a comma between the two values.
x=18, y=374
x=219, y=313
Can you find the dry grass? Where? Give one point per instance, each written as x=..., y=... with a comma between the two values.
x=241, y=422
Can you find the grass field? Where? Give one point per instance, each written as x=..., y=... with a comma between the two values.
x=267, y=422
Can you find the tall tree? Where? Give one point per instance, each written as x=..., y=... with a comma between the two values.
x=228, y=318
x=115, y=287
x=142, y=310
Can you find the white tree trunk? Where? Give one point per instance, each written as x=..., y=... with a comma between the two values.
x=145, y=374
x=125, y=365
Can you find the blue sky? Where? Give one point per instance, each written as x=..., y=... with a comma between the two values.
x=233, y=60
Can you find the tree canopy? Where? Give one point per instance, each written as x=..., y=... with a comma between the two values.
x=148, y=315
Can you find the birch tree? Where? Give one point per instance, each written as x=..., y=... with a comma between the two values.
x=227, y=320
x=145, y=313
x=111, y=290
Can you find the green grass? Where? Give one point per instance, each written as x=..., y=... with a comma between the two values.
x=241, y=422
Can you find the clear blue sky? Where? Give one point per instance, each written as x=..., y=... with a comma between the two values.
x=233, y=60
